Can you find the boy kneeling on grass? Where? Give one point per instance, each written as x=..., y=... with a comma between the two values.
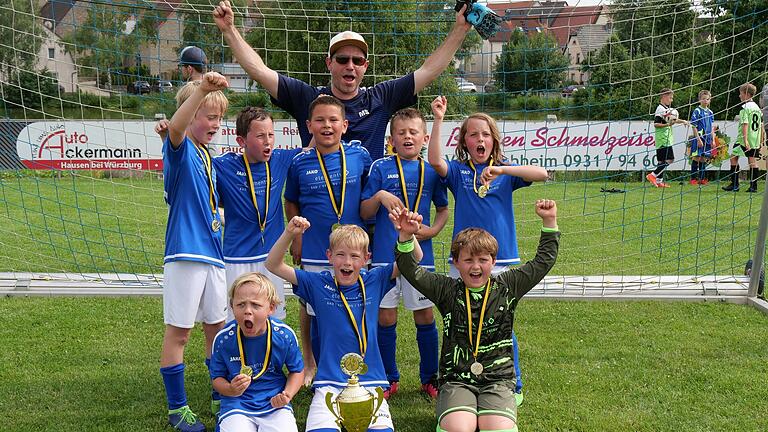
x=477, y=375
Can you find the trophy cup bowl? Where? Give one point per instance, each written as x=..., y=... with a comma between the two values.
x=355, y=407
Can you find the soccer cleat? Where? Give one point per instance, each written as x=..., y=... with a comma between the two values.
x=731, y=188
x=393, y=387
x=184, y=420
x=752, y=189
x=652, y=178
x=694, y=182
x=704, y=182
x=215, y=407
x=430, y=388
x=662, y=185
x=519, y=398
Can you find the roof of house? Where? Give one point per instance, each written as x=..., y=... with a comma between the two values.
x=592, y=37
x=552, y=16
x=570, y=18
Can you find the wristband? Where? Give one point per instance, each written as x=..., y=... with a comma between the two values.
x=546, y=229
x=406, y=246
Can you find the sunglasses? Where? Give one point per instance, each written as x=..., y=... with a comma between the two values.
x=356, y=60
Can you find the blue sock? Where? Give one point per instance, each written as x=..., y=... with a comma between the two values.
x=388, y=348
x=214, y=394
x=694, y=170
x=516, y=356
x=702, y=170
x=314, y=338
x=426, y=339
x=173, y=378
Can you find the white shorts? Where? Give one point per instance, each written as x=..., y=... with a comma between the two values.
x=281, y=420
x=412, y=299
x=315, y=269
x=235, y=270
x=320, y=418
x=454, y=272
x=193, y=292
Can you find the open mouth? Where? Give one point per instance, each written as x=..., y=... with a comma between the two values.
x=481, y=150
x=348, y=78
x=346, y=273
x=248, y=324
x=267, y=152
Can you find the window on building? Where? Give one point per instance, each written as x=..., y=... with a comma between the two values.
x=578, y=58
x=51, y=52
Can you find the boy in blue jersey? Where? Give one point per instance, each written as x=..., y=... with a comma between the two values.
x=416, y=190
x=193, y=283
x=248, y=359
x=324, y=185
x=702, y=119
x=346, y=301
x=250, y=185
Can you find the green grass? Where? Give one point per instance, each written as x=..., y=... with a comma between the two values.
x=87, y=224
x=91, y=364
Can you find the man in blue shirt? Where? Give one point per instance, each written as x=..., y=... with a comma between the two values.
x=367, y=109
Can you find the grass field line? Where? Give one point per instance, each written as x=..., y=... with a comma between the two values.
x=682, y=287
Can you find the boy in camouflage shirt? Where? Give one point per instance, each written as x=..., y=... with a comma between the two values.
x=477, y=375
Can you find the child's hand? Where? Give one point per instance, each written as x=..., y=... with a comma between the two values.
x=489, y=174
x=439, y=106
x=309, y=374
x=389, y=201
x=405, y=221
x=213, y=81
x=239, y=384
x=280, y=400
x=297, y=225
x=161, y=128
x=547, y=211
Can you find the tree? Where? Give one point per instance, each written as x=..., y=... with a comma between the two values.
x=533, y=62
x=20, y=35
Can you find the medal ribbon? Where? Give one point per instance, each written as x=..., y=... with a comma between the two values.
x=474, y=171
x=339, y=209
x=361, y=340
x=252, y=189
x=203, y=153
x=482, y=315
x=405, y=189
x=266, y=355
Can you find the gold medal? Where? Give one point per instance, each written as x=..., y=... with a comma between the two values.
x=482, y=191
x=247, y=370
x=476, y=368
x=335, y=226
x=215, y=225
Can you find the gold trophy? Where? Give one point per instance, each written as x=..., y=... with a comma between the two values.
x=355, y=407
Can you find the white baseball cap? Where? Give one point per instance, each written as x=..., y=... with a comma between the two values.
x=347, y=38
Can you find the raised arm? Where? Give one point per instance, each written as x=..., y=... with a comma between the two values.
x=406, y=223
x=434, y=155
x=275, y=262
x=212, y=81
x=251, y=62
x=436, y=63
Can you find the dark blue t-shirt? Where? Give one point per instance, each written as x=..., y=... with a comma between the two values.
x=368, y=112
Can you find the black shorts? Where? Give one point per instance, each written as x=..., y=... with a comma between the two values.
x=664, y=154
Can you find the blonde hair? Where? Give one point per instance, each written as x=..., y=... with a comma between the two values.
x=407, y=114
x=350, y=235
x=704, y=93
x=215, y=99
x=263, y=284
x=462, y=155
x=475, y=241
x=748, y=88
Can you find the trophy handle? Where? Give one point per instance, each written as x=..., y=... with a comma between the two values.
x=329, y=404
x=379, y=400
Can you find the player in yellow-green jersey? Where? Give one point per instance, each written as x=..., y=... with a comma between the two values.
x=750, y=139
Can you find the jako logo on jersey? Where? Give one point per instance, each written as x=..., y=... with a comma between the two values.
x=363, y=113
x=466, y=172
x=234, y=359
x=311, y=172
x=328, y=287
x=393, y=176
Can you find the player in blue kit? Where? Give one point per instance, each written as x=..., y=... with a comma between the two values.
x=702, y=119
x=482, y=184
x=193, y=285
x=367, y=109
x=346, y=301
x=250, y=185
x=324, y=185
x=406, y=181
x=248, y=358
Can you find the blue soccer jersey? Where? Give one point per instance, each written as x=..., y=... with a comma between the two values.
x=306, y=186
x=702, y=119
x=368, y=112
x=494, y=213
x=335, y=330
x=384, y=175
x=189, y=235
x=244, y=242
x=225, y=363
